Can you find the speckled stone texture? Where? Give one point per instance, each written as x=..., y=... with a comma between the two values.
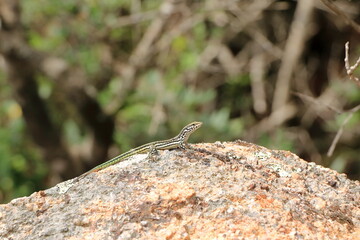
x=232, y=190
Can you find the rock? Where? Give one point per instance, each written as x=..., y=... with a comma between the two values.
x=232, y=190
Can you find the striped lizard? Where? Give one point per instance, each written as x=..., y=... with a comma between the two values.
x=179, y=141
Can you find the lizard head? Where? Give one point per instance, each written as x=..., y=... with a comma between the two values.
x=188, y=130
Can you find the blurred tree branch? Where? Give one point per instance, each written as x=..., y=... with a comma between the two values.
x=341, y=14
x=349, y=71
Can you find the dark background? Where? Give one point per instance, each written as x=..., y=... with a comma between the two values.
x=82, y=81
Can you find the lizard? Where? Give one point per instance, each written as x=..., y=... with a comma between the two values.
x=179, y=141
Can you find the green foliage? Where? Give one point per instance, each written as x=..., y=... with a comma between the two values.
x=88, y=58
x=194, y=98
x=21, y=169
x=179, y=44
x=279, y=139
x=188, y=61
x=72, y=132
x=339, y=163
x=45, y=87
x=109, y=92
